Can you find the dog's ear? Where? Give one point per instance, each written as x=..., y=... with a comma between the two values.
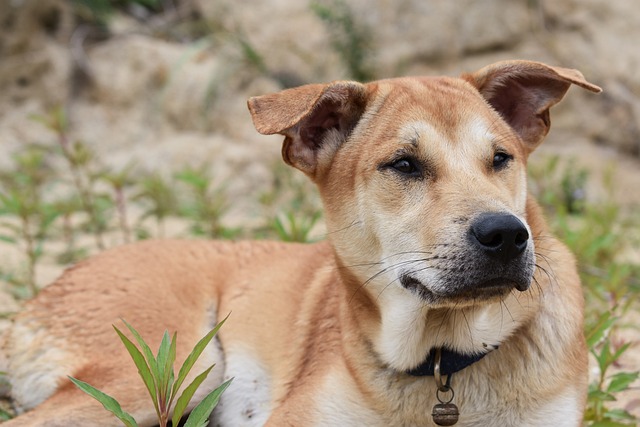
x=523, y=91
x=314, y=119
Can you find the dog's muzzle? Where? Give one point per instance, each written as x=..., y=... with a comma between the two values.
x=496, y=258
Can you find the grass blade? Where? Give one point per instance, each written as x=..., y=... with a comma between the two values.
x=200, y=414
x=143, y=368
x=195, y=354
x=109, y=403
x=187, y=394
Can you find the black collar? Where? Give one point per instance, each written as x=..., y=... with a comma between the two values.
x=451, y=362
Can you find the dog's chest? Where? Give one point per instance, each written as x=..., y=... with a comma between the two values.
x=247, y=402
x=340, y=402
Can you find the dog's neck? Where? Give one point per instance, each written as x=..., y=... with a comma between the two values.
x=450, y=363
x=403, y=330
x=407, y=332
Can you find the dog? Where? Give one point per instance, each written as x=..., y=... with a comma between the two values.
x=440, y=293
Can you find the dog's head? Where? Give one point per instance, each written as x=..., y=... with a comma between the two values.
x=424, y=178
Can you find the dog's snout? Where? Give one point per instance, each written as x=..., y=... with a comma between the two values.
x=499, y=235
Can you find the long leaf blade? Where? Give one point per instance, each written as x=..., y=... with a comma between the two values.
x=200, y=414
x=597, y=333
x=168, y=370
x=195, y=354
x=621, y=381
x=148, y=354
x=187, y=394
x=109, y=403
x=143, y=368
x=162, y=357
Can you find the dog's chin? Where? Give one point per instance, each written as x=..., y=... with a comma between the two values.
x=482, y=292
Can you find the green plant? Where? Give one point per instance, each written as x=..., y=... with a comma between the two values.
x=158, y=198
x=163, y=386
x=84, y=171
x=291, y=228
x=206, y=205
x=5, y=414
x=67, y=207
x=291, y=206
x=597, y=234
x=28, y=217
x=603, y=391
x=119, y=181
x=252, y=57
x=100, y=11
x=559, y=186
x=350, y=39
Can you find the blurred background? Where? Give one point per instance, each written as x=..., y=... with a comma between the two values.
x=126, y=119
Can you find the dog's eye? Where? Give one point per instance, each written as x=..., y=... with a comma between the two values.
x=406, y=167
x=500, y=160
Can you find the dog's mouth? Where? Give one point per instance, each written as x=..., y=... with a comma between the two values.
x=488, y=289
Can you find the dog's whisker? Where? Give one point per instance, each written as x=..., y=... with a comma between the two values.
x=466, y=320
x=340, y=230
x=378, y=274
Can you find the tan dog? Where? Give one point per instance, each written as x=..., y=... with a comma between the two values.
x=436, y=256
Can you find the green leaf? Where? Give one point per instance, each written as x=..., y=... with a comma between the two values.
x=604, y=358
x=619, y=414
x=168, y=370
x=143, y=368
x=622, y=381
x=615, y=356
x=4, y=415
x=200, y=414
x=607, y=423
x=7, y=239
x=598, y=332
x=148, y=354
x=162, y=360
x=599, y=395
x=195, y=354
x=109, y=403
x=187, y=394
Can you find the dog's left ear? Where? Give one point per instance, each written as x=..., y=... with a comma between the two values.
x=314, y=119
x=523, y=91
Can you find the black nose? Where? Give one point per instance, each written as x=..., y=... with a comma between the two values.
x=500, y=235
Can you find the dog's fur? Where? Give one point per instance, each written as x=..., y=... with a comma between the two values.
x=324, y=334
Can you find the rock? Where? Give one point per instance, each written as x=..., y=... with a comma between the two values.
x=34, y=63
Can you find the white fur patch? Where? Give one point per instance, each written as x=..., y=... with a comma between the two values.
x=37, y=365
x=402, y=341
x=247, y=401
x=561, y=411
x=338, y=403
x=408, y=331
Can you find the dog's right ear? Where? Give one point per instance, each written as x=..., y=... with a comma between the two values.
x=522, y=92
x=314, y=119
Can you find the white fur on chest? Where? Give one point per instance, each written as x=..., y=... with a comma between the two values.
x=562, y=411
x=339, y=403
x=247, y=401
